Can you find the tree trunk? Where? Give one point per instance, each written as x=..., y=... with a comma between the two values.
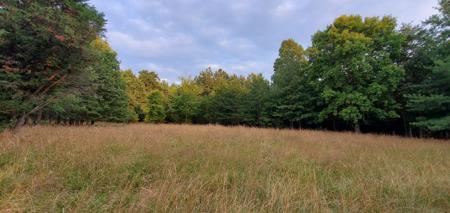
x=29, y=120
x=357, y=128
x=21, y=122
x=39, y=117
x=405, y=126
x=334, y=124
x=23, y=119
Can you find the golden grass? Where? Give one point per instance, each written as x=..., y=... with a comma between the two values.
x=174, y=168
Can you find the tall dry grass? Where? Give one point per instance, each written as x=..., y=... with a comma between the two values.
x=173, y=168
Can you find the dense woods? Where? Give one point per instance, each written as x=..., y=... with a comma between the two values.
x=360, y=74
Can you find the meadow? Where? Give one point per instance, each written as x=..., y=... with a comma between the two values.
x=185, y=168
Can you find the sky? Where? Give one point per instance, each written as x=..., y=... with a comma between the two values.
x=182, y=37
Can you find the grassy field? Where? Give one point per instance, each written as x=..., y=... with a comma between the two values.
x=171, y=168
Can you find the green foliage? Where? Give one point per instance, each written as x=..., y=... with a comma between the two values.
x=184, y=102
x=256, y=101
x=228, y=102
x=429, y=102
x=55, y=66
x=150, y=80
x=355, y=65
x=293, y=94
x=156, y=110
x=210, y=82
x=137, y=95
x=95, y=94
x=43, y=44
x=432, y=109
x=111, y=88
x=138, y=114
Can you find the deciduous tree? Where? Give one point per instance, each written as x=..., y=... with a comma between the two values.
x=356, y=67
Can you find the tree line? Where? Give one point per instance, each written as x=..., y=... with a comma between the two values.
x=55, y=66
x=361, y=74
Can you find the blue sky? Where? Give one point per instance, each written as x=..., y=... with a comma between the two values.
x=181, y=37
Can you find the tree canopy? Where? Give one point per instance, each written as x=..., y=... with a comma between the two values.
x=364, y=74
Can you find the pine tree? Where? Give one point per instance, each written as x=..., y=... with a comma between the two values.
x=256, y=101
x=44, y=43
x=291, y=91
x=228, y=102
x=111, y=88
x=430, y=102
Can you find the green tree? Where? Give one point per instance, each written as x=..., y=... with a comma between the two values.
x=430, y=101
x=432, y=107
x=43, y=44
x=184, y=102
x=137, y=95
x=355, y=64
x=291, y=90
x=96, y=94
x=228, y=102
x=150, y=79
x=156, y=107
x=209, y=82
x=111, y=88
x=416, y=59
x=256, y=101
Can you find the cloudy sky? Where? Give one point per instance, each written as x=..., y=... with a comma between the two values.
x=182, y=37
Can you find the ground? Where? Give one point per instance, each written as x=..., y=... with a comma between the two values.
x=182, y=168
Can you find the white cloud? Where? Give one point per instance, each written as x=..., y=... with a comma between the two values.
x=151, y=47
x=241, y=68
x=160, y=68
x=145, y=26
x=181, y=37
x=284, y=7
x=236, y=45
x=287, y=7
